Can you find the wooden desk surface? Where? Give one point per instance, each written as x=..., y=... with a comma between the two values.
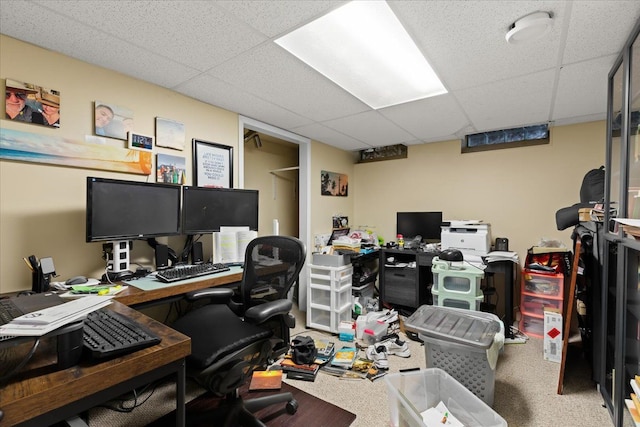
x=27, y=397
x=132, y=295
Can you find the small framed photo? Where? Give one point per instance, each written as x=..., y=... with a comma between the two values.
x=138, y=141
x=170, y=134
x=170, y=169
x=212, y=165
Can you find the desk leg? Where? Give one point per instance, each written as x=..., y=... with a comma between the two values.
x=180, y=395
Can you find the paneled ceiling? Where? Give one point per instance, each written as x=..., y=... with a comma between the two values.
x=223, y=53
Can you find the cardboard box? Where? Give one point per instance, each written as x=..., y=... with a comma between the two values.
x=552, y=335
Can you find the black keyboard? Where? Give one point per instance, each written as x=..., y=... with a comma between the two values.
x=8, y=311
x=182, y=272
x=107, y=333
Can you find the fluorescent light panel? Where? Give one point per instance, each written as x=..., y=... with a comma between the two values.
x=363, y=48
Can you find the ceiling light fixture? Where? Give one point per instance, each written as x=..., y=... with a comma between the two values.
x=529, y=28
x=363, y=48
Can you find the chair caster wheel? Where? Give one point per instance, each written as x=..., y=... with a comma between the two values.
x=292, y=406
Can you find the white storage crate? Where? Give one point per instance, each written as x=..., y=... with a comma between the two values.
x=412, y=393
x=329, y=299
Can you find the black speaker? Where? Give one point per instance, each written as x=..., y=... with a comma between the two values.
x=196, y=253
x=502, y=244
x=162, y=256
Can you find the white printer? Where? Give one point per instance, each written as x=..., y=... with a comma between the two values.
x=469, y=237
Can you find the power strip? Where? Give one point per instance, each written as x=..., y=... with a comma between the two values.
x=515, y=340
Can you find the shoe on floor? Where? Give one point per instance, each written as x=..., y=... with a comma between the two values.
x=378, y=354
x=396, y=347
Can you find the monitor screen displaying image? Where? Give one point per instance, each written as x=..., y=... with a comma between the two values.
x=425, y=224
x=205, y=210
x=127, y=210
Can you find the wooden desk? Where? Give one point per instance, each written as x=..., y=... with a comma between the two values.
x=48, y=398
x=133, y=296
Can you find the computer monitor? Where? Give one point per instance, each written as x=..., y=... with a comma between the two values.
x=205, y=210
x=127, y=210
x=425, y=224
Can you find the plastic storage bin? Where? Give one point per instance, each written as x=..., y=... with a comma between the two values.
x=412, y=393
x=460, y=342
x=548, y=285
x=463, y=280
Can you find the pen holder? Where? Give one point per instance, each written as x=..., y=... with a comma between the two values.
x=40, y=282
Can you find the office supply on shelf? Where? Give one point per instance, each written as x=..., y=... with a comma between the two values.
x=107, y=333
x=183, y=272
x=40, y=322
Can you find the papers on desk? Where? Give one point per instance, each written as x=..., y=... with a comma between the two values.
x=41, y=322
x=502, y=256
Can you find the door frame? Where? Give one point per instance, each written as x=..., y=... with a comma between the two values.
x=304, y=202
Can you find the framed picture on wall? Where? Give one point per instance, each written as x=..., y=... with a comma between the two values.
x=334, y=184
x=170, y=134
x=112, y=120
x=29, y=103
x=170, y=169
x=212, y=164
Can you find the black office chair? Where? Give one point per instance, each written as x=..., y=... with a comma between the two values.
x=231, y=339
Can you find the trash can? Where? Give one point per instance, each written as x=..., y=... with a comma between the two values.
x=412, y=393
x=465, y=344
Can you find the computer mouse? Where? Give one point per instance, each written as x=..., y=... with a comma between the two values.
x=78, y=280
x=451, y=255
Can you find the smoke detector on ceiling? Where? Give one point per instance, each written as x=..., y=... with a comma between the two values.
x=530, y=27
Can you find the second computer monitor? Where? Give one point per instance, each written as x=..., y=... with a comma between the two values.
x=205, y=210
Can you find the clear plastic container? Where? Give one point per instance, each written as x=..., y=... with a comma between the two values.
x=374, y=331
x=412, y=393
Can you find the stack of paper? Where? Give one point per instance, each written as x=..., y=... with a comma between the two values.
x=502, y=256
x=41, y=322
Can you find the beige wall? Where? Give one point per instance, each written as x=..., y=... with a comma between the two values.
x=278, y=191
x=323, y=208
x=517, y=191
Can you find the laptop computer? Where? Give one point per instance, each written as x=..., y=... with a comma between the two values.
x=13, y=307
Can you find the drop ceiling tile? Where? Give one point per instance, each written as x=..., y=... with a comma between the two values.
x=599, y=28
x=216, y=92
x=429, y=118
x=194, y=33
x=276, y=18
x=511, y=103
x=467, y=46
x=105, y=51
x=582, y=89
x=320, y=133
x=372, y=128
x=272, y=73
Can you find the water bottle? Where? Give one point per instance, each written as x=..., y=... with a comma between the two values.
x=400, y=241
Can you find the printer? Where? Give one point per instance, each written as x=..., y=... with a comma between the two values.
x=469, y=237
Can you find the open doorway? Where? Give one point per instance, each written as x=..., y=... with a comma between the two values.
x=278, y=180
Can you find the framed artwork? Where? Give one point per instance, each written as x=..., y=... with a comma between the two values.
x=138, y=141
x=212, y=164
x=334, y=184
x=170, y=169
x=29, y=103
x=112, y=120
x=170, y=134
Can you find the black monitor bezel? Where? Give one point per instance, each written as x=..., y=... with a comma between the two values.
x=186, y=189
x=90, y=232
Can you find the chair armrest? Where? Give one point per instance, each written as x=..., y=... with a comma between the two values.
x=262, y=312
x=216, y=295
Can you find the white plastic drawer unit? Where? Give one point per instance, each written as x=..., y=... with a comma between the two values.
x=329, y=298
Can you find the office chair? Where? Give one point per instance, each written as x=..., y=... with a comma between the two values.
x=231, y=339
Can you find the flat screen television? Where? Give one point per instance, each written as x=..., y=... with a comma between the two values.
x=425, y=224
x=205, y=210
x=126, y=210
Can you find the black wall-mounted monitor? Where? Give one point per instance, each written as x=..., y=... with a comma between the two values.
x=425, y=224
x=127, y=210
x=205, y=210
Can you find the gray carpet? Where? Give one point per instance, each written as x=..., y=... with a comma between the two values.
x=525, y=391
